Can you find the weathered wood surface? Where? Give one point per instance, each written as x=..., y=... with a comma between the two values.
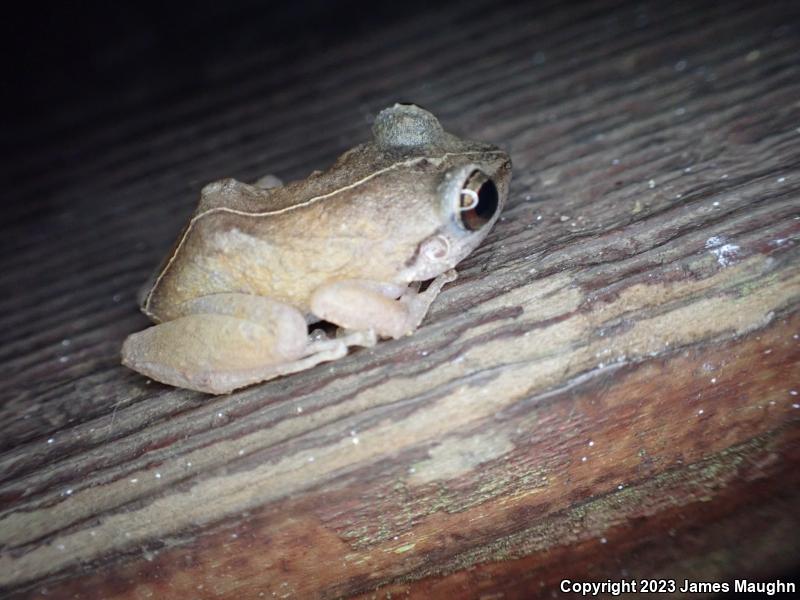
x=609, y=390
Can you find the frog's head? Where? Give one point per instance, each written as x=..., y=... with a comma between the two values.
x=466, y=181
x=468, y=184
x=471, y=196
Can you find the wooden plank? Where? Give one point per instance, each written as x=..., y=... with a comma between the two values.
x=609, y=390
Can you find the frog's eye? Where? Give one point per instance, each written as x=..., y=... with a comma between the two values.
x=478, y=202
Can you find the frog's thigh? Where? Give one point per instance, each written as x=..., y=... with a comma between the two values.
x=364, y=305
x=224, y=342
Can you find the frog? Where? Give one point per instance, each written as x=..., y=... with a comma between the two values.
x=258, y=264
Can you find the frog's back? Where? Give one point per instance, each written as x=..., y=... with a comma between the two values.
x=245, y=239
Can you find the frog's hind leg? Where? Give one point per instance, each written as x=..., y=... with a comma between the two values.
x=227, y=341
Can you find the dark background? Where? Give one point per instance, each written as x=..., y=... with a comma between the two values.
x=73, y=68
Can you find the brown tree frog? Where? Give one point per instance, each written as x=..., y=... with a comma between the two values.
x=257, y=264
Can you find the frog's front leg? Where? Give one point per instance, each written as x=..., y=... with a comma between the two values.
x=365, y=305
x=226, y=341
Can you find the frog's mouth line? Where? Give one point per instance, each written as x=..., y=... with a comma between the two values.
x=413, y=258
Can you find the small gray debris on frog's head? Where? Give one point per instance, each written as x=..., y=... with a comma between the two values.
x=406, y=126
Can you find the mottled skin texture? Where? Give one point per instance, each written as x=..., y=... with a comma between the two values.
x=254, y=265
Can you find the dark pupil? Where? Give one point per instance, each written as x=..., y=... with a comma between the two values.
x=477, y=216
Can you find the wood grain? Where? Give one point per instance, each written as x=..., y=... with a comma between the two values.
x=609, y=390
